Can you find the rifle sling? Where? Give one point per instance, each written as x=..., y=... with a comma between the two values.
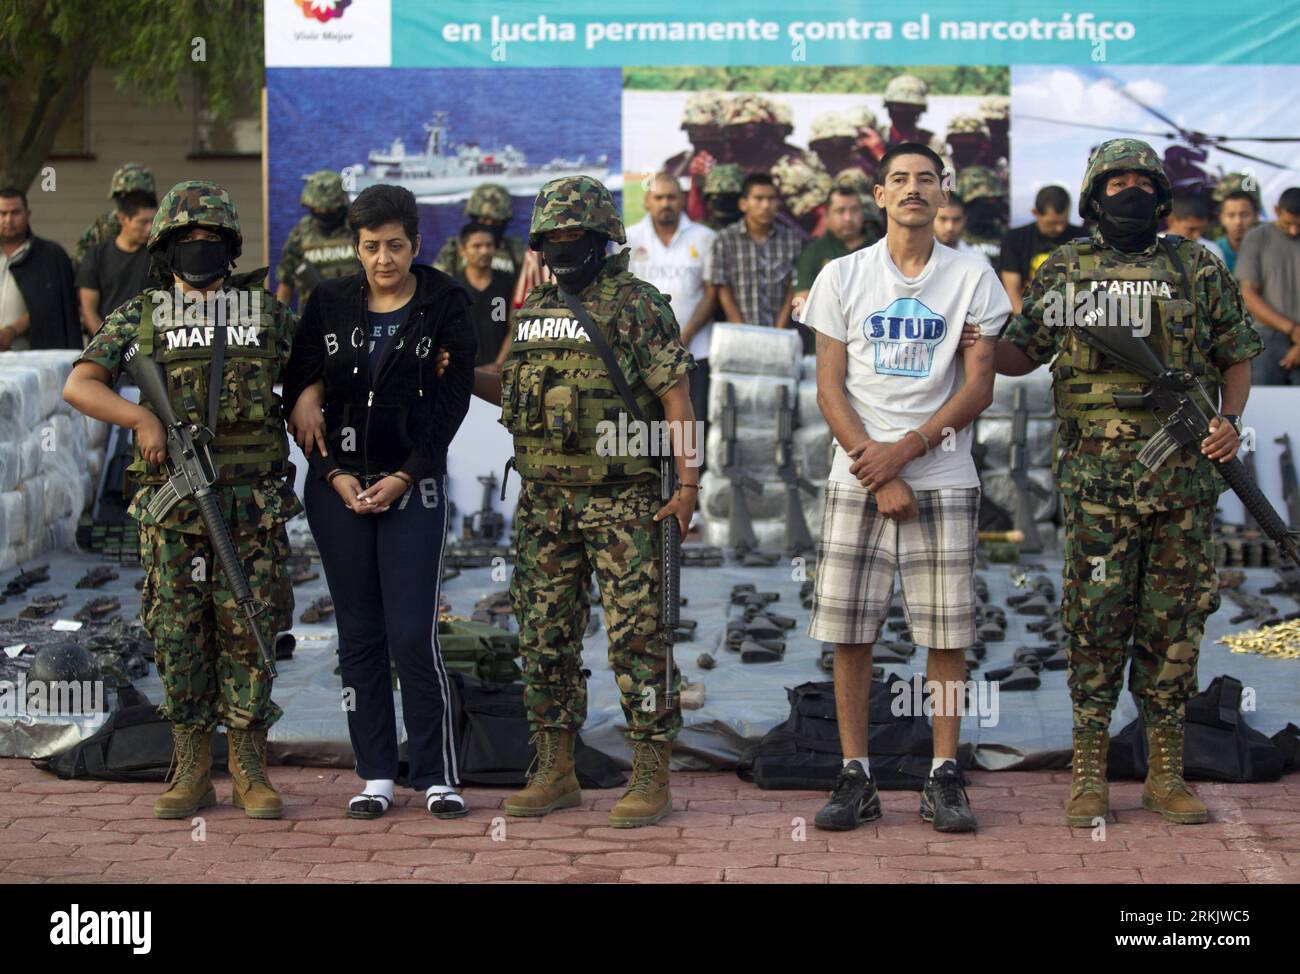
x=606, y=355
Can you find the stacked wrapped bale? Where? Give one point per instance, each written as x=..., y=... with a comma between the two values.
x=756, y=363
x=47, y=474
x=993, y=430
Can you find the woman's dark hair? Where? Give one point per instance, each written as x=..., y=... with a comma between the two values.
x=377, y=205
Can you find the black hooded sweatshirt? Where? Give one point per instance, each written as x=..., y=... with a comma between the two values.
x=405, y=417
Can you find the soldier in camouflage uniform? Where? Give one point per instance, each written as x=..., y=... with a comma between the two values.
x=804, y=185
x=208, y=658
x=1139, y=552
x=132, y=176
x=968, y=138
x=319, y=247
x=585, y=506
x=722, y=195
x=985, y=198
x=995, y=110
x=835, y=139
x=756, y=129
x=906, y=99
x=489, y=205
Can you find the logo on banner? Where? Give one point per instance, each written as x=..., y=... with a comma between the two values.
x=905, y=336
x=323, y=10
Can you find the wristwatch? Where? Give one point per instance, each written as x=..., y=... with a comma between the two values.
x=1234, y=420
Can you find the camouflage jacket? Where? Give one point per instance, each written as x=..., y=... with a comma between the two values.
x=263, y=504
x=509, y=257
x=1106, y=471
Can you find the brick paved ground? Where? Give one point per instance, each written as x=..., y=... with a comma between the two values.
x=724, y=830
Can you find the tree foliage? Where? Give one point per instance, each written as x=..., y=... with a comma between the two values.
x=48, y=48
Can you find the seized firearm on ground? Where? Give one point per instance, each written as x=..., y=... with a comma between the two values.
x=191, y=472
x=740, y=527
x=485, y=524
x=1290, y=486
x=798, y=541
x=1183, y=424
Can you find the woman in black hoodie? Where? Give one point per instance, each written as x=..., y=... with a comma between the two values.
x=376, y=494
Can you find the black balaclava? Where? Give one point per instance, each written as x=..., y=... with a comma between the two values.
x=575, y=263
x=1128, y=219
x=199, y=262
x=330, y=220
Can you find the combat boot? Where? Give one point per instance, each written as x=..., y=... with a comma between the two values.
x=647, y=798
x=1089, y=792
x=252, y=788
x=1165, y=791
x=553, y=782
x=191, y=785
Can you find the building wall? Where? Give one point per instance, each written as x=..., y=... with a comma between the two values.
x=124, y=128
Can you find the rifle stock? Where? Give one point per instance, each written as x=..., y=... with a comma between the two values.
x=1024, y=520
x=740, y=526
x=798, y=540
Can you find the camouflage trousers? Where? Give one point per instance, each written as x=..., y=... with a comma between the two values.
x=1139, y=580
x=561, y=536
x=208, y=658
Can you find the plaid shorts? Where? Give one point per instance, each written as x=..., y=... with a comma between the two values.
x=860, y=551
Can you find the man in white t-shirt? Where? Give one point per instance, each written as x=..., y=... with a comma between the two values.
x=670, y=250
x=900, y=395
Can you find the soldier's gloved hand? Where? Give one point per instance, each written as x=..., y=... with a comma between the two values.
x=378, y=496
x=307, y=422
x=150, y=437
x=896, y=501
x=970, y=334
x=1222, y=443
x=441, y=359
x=680, y=506
x=348, y=487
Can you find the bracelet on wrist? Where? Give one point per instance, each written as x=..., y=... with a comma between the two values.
x=924, y=439
x=692, y=486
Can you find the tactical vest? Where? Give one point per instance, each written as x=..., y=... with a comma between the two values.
x=332, y=255
x=249, y=444
x=1085, y=380
x=557, y=396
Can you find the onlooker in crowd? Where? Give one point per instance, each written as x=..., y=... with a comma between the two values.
x=491, y=289
x=1238, y=214
x=753, y=259
x=1268, y=267
x=38, y=302
x=670, y=250
x=129, y=177
x=1189, y=218
x=950, y=224
x=116, y=270
x=845, y=232
x=1025, y=248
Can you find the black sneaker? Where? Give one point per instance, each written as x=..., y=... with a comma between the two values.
x=854, y=801
x=944, y=801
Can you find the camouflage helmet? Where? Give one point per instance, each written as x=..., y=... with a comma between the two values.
x=1237, y=182
x=490, y=200
x=967, y=124
x=749, y=107
x=862, y=118
x=196, y=203
x=802, y=181
x=132, y=176
x=994, y=107
x=979, y=182
x=783, y=115
x=575, y=201
x=323, y=191
x=856, y=179
x=704, y=108
x=832, y=125
x=1121, y=155
x=906, y=89
x=724, y=178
